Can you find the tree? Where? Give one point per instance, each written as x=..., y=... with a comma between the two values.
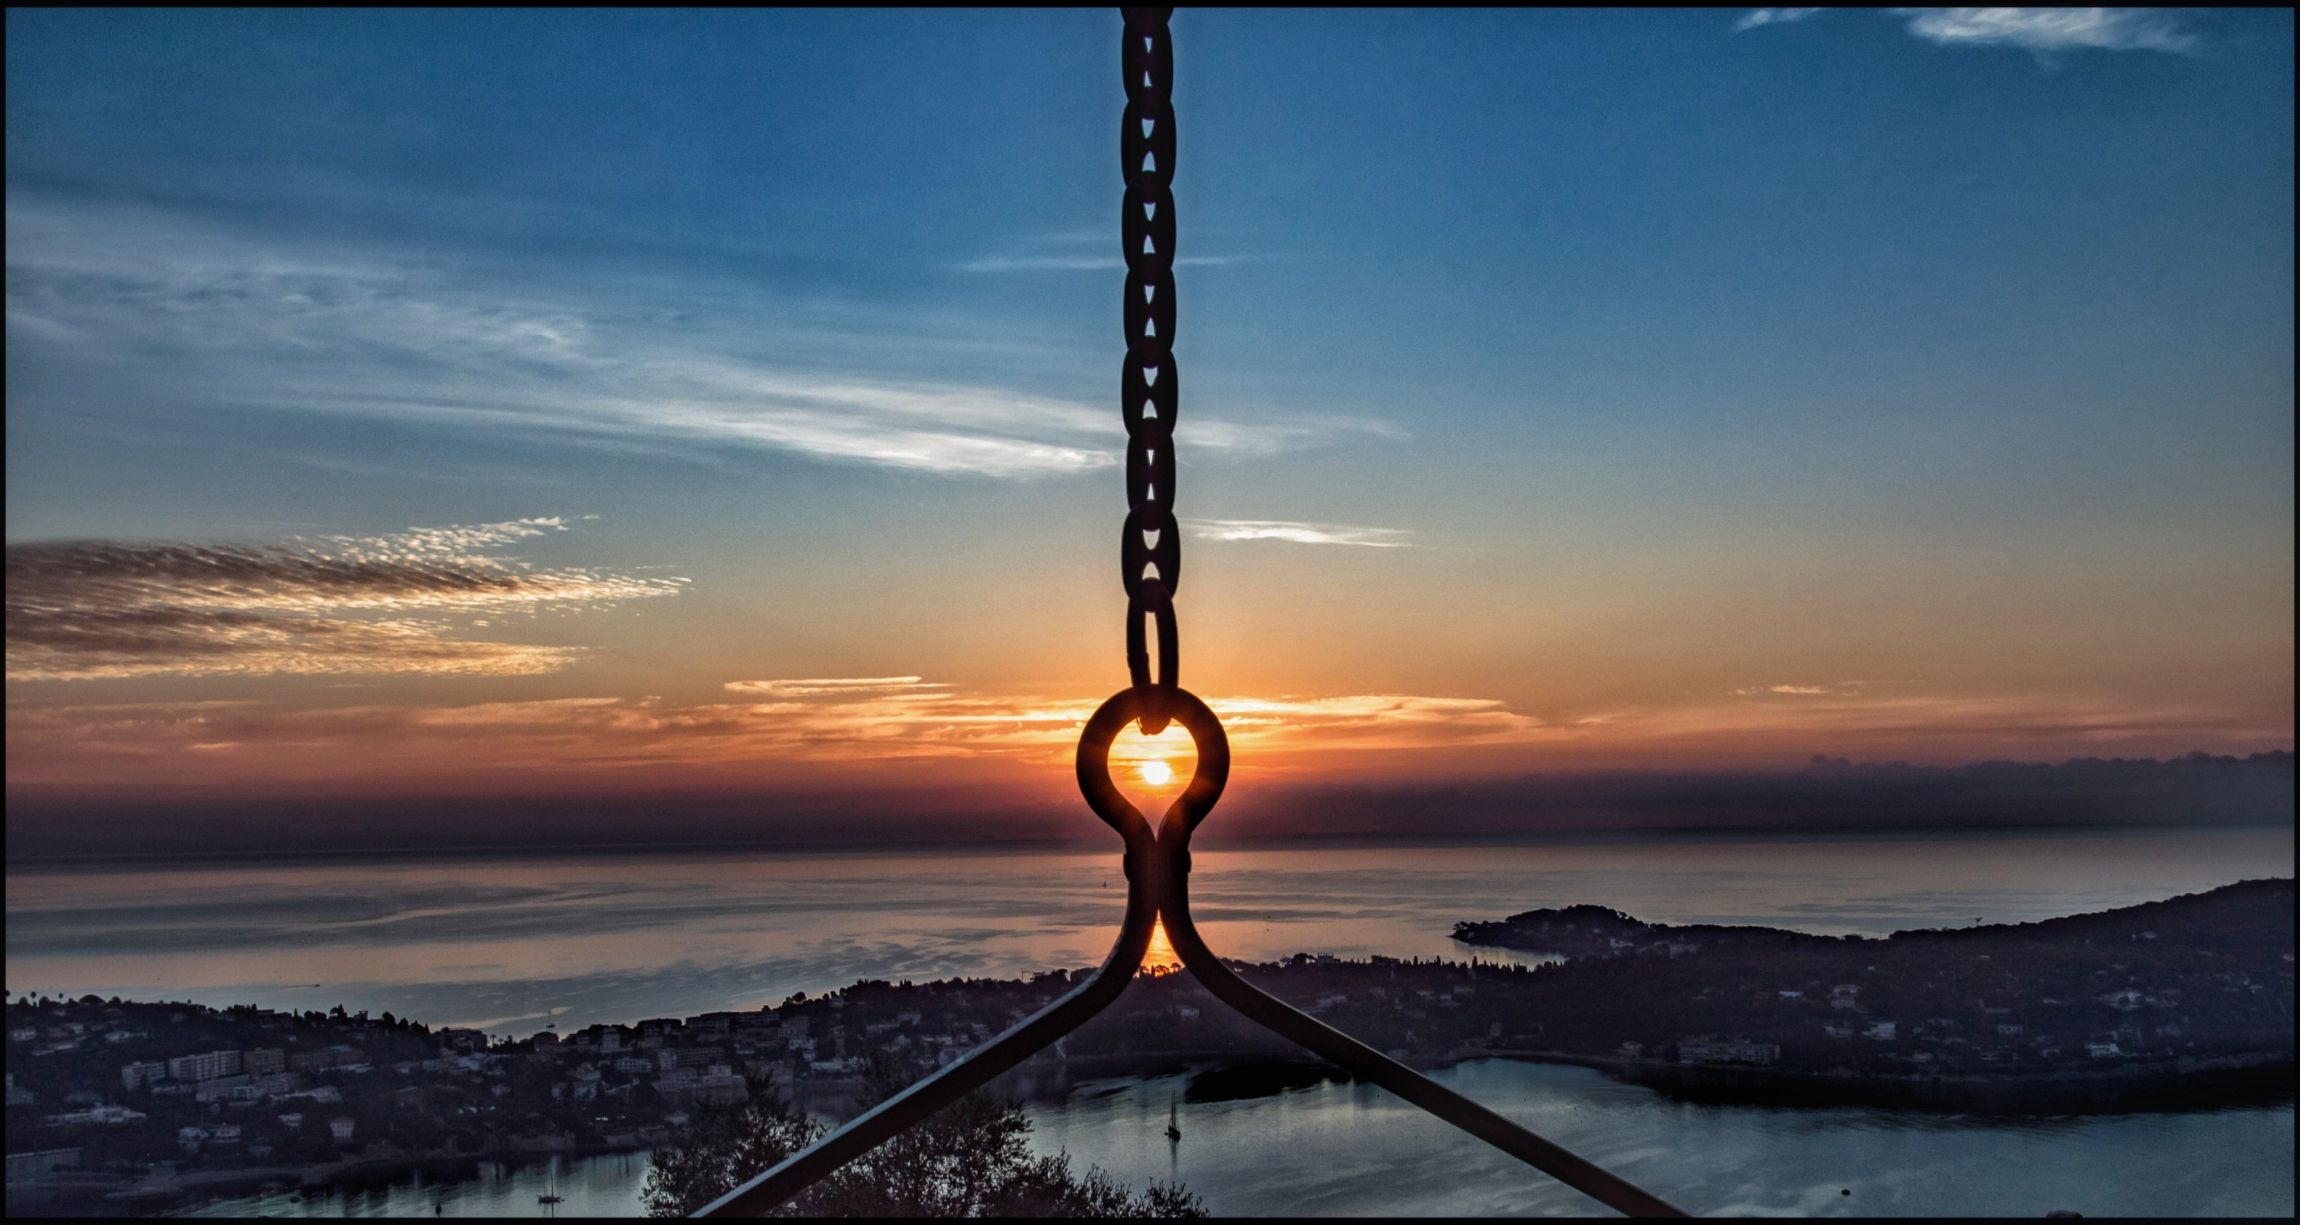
x=719, y=1148
x=971, y=1159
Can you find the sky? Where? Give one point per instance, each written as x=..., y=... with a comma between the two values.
x=466, y=404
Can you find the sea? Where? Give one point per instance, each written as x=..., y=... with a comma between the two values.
x=515, y=942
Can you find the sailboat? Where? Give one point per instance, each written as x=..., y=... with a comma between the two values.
x=551, y=1193
x=1172, y=1132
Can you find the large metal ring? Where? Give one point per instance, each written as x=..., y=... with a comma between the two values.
x=1197, y=799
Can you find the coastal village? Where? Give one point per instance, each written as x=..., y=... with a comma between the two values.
x=123, y=1106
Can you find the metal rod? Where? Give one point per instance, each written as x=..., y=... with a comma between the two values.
x=1366, y=1063
x=975, y=1069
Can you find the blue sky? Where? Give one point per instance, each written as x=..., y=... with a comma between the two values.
x=1940, y=364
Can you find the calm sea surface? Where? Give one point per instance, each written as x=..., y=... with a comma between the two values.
x=512, y=943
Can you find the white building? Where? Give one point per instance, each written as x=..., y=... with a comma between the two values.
x=108, y=1116
x=205, y=1067
x=221, y=1088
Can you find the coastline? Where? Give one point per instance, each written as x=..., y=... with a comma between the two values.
x=2207, y=1084
x=96, y=1194
x=2211, y=1083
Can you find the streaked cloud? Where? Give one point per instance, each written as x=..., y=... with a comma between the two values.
x=901, y=733
x=866, y=723
x=1919, y=725
x=1793, y=690
x=1381, y=720
x=2040, y=30
x=219, y=317
x=1299, y=533
x=833, y=686
x=80, y=610
x=1766, y=17
x=2052, y=29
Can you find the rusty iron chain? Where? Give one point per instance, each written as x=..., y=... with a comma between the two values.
x=1150, y=547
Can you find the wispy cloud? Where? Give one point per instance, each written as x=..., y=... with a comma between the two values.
x=870, y=723
x=1299, y=533
x=2052, y=29
x=226, y=318
x=902, y=733
x=2040, y=30
x=1766, y=17
x=834, y=686
x=1921, y=724
x=79, y=610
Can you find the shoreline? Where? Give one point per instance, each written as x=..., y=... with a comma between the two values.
x=102, y=1195
x=2209, y=1084
x=2225, y=1082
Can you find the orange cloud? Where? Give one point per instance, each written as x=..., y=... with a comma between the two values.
x=815, y=723
x=872, y=730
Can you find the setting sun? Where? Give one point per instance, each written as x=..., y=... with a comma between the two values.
x=1157, y=773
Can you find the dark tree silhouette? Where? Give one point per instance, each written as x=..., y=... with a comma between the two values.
x=971, y=1159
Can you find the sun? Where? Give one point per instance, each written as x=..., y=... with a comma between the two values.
x=1156, y=773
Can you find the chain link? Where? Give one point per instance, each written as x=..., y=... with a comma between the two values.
x=1150, y=549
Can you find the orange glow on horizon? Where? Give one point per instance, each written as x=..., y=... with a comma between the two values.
x=1160, y=957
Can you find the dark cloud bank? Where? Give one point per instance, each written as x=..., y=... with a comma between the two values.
x=1828, y=796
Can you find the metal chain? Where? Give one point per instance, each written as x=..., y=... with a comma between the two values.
x=1150, y=550
x=1157, y=861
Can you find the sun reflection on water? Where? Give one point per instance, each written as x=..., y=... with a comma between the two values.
x=1160, y=958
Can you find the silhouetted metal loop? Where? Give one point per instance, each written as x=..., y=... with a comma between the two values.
x=1146, y=142
x=1146, y=56
x=1149, y=379
x=1146, y=226
x=1151, y=601
x=1136, y=550
x=1187, y=809
x=1149, y=473
x=1150, y=305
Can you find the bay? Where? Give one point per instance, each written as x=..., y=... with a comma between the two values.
x=1352, y=1150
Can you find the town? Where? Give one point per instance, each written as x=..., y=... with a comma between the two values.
x=124, y=1106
